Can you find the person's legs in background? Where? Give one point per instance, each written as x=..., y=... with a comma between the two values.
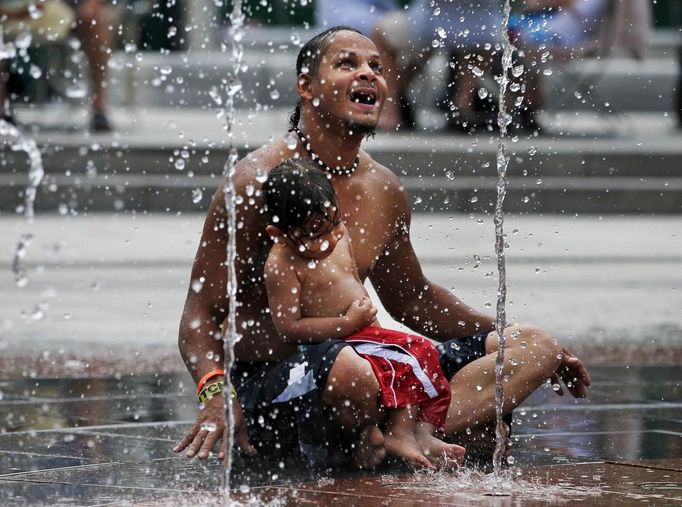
x=93, y=31
x=5, y=107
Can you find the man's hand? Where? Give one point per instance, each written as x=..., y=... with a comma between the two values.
x=361, y=312
x=210, y=427
x=573, y=373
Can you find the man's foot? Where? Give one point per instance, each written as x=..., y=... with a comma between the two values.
x=440, y=453
x=99, y=122
x=404, y=445
x=370, y=450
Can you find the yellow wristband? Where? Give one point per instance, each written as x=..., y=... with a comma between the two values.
x=210, y=391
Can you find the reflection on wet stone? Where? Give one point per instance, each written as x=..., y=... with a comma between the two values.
x=90, y=451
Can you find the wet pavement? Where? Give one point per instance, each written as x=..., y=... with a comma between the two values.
x=93, y=394
x=107, y=441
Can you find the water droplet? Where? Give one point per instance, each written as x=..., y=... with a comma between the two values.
x=556, y=387
x=261, y=175
x=477, y=71
x=291, y=140
x=316, y=102
x=179, y=164
x=274, y=94
x=479, y=388
x=532, y=150
x=436, y=11
x=197, y=285
x=482, y=92
x=547, y=72
x=295, y=39
x=165, y=70
x=523, y=345
x=473, y=199
x=23, y=40
x=214, y=93
x=517, y=71
x=234, y=88
x=197, y=195
x=324, y=246
x=76, y=90
x=441, y=32
x=312, y=264
x=208, y=426
x=450, y=175
x=34, y=12
x=35, y=72
x=510, y=460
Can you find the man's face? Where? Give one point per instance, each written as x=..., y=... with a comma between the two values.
x=349, y=83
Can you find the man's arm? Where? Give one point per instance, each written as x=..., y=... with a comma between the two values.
x=410, y=297
x=204, y=311
x=284, y=298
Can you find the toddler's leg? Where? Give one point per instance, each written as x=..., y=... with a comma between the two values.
x=400, y=437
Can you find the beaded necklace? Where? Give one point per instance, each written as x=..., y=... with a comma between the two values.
x=336, y=171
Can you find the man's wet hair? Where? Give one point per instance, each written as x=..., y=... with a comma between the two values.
x=310, y=57
x=296, y=191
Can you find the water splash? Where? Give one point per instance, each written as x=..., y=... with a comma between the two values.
x=236, y=33
x=503, y=120
x=11, y=135
x=472, y=486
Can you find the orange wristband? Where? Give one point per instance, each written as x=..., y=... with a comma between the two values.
x=207, y=377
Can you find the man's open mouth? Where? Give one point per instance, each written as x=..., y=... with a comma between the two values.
x=364, y=96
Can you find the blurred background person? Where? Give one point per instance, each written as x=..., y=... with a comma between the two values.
x=467, y=30
x=562, y=30
x=48, y=22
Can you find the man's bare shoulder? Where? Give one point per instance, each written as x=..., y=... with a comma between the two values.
x=256, y=164
x=385, y=185
x=381, y=174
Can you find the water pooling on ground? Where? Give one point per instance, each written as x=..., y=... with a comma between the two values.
x=90, y=440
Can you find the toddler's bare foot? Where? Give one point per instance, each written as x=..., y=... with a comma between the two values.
x=370, y=450
x=441, y=453
x=404, y=445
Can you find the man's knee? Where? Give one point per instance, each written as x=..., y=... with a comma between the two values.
x=538, y=344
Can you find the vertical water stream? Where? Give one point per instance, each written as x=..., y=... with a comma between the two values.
x=503, y=121
x=234, y=86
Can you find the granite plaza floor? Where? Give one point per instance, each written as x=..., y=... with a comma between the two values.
x=107, y=441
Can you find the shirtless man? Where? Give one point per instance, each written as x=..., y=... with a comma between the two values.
x=342, y=90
